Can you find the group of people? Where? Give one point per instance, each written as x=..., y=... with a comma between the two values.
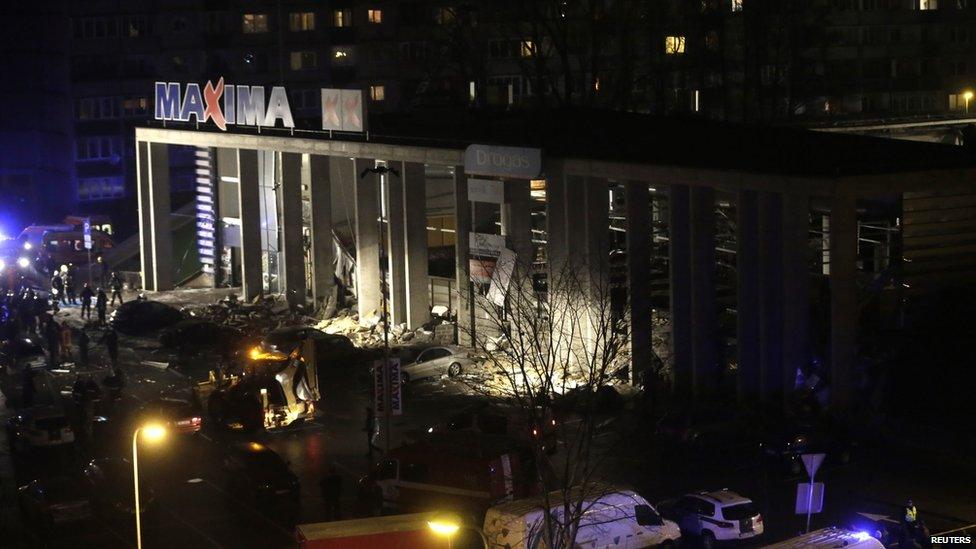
x=63, y=290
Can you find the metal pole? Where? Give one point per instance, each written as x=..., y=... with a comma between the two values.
x=384, y=265
x=89, y=268
x=135, y=477
x=809, y=503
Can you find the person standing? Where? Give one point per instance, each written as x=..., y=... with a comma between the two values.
x=116, y=284
x=86, y=301
x=101, y=304
x=69, y=285
x=57, y=288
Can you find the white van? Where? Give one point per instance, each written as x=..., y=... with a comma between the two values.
x=612, y=517
x=830, y=538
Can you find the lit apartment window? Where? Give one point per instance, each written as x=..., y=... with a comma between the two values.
x=342, y=56
x=960, y=101
x=377, y=93
x=301, y=21
x=445, y=16
x=342, y=18
x=374, y=16
x=928, y=4
x=304, y=60
x=252, y=23
x=736, y=5
x=674, y=45
x=527, y=49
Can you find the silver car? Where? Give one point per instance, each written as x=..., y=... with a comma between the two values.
x=436, y=361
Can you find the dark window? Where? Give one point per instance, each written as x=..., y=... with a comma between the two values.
x=739, y=511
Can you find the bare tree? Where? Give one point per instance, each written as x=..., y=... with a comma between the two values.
x=548, y=351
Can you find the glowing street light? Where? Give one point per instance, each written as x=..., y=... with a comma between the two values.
x=968, y=96
x=447, y=526
x=152, y=433
x=23, y=262
x=28, y=245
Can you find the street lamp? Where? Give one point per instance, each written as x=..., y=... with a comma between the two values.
x=447, y=526
x=968, y=96
x=151, y=432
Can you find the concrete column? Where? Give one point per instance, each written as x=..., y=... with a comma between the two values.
x=679, y=212
x=557, y=245
x=771, y=295
x=395, y=249
x=638, y=281
x=843, y=300
x=747, y=306
x=159, y=203
x=145, y=215
x=517, y=220
x=250, y=210
x=415, y=241
x=596, y=207
x=291, y=226
x=323, y=253
x=796, y=287
x=368, y=277
x=462, y=216
x=705, y=370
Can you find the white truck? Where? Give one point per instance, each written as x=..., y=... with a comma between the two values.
x=609, y=516
x=830, y=538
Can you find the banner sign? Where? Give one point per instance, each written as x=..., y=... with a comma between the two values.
x=342, y=110
x=485, y=245
x=486, y=190
x=396, y=396
x=379, y=388
x=514, y=162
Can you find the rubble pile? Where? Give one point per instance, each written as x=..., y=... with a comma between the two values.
x=370, y=332
x=264, y=314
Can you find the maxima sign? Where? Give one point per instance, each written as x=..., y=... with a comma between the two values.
x=514, y=162
x=223, y=104
x=228, y=104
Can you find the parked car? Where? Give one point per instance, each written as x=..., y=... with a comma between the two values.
x=706, y=427
x=259, y=474
x=612, y=516
x=436, y=361
x=109, y=483
x=53, y=501
x=721, y=515
x=180, y=416
x=40, y=427
x=784, y=443
x=493, y=419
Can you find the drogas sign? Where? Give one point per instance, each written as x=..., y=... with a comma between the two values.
x=223, y=104
x=514, y=162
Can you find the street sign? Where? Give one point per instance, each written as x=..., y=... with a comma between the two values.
x=808, y=502
x=86, y=228
x=396, y=396
x=379, y=392
x=812, y=463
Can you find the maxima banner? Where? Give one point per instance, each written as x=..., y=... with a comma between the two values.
x=229, y=104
